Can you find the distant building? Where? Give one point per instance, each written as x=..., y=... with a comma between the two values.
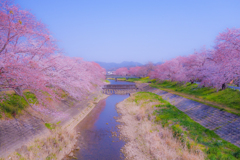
x=109, y=72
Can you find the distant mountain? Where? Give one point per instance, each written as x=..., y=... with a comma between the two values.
x=114, y=66
x=158, y=63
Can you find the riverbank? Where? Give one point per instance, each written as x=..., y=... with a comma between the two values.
x=226, y=100
x=224, y=124
x=155, y=129
x=146, y=139
x=29, y=138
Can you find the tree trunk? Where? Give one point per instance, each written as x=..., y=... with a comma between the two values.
x=191, y=81
x=18, y=91
x=223, y=86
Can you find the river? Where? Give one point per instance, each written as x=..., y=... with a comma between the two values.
x=97, y=141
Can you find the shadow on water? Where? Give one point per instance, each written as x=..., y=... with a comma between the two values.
x=96, y=141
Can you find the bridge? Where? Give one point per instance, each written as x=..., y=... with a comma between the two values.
x=119, y=88
x=118, y=76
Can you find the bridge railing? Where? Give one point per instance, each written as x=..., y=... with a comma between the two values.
x=119, y=76
x=119, y=89
x=119, y=86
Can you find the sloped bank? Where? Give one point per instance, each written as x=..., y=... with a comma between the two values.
x=145, y=138
x=28, y=137
x=224, y=124
x=155, y=129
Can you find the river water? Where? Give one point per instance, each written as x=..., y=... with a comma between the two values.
x=97, y=129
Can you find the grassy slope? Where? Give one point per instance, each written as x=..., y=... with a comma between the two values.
x=227, y=99
x=142, y=80
x=190, y=132
x=14, y=104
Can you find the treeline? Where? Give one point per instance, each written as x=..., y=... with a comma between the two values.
x=139, y=71
x=214, y=67
x=30, y=60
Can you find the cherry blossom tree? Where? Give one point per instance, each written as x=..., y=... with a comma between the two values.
x=227, y=57
x=221, y=65
x=29, y=59
x=148, y=68
x=122, y=71
x=170, y=70
x=215, y=68
x=24, y=43
x=142, y=70
x=135, y=71
x=75, y=76
x=196, y=66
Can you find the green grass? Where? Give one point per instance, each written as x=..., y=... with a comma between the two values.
x=133, y=79
x=147, y=96
x=58, y=122
x=50, y=126
x=121, y=79
x=190, y=132
x=213, y=145
x=13, y=104
x=142, y=80
x=107, y=81
x=228, y=97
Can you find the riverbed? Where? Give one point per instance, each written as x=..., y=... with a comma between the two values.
x=98, y=131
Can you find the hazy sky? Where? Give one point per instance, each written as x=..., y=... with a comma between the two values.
x=134, y=30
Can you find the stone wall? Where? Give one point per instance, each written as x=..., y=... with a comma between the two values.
x=16, y=132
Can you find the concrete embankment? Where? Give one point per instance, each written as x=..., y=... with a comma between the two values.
x=28, y=137
x=225, y=124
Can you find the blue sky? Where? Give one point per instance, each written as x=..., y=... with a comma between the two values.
x=134, y=30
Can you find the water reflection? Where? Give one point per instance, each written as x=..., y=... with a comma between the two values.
x=96, y=141
x=119, y=82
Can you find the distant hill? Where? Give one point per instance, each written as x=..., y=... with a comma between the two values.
x=114, y=66
x=158, y=63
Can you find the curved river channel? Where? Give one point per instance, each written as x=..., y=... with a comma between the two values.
x=97, y=141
